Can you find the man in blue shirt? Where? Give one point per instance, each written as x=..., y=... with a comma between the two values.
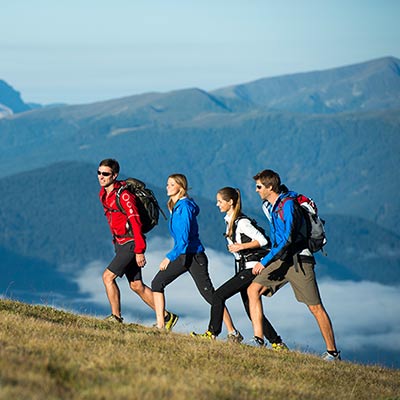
x=278, y=267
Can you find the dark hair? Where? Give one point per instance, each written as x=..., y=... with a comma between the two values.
x=283, y=188
x=269, y=178
x=229, y=193
x=110, y=163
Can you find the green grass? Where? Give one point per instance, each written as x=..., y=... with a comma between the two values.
x=47, y=353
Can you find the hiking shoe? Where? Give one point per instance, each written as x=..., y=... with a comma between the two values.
x=114, y=318
x=255, y=342
x=170, y=321
x=206, y=335
x=235, y=337
x=279, y=347
x=329, y=357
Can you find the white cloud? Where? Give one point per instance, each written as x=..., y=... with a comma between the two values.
x=363, y=313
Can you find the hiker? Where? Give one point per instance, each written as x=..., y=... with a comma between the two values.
x=288, y=261
x=129, y=242
x=187, y=254
x=248, y=244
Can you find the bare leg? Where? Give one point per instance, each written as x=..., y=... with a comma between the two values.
x=112, y=291
x=143, y=291
x=325, y=325
x=159, y=306
x=254, y=292
x=228, y=321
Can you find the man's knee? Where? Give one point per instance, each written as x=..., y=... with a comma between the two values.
x=108, y=277
x=317, y=309
x=137, y=286
x=254, y=290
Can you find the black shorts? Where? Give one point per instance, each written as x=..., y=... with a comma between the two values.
x=124, y=262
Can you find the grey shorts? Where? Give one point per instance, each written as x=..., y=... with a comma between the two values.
x=124, y=262
x=303, y=281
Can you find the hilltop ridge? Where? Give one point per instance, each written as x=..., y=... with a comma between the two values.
x=53, y=354
x=335, y=90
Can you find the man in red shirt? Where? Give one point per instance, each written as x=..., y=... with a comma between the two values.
x=129, y=242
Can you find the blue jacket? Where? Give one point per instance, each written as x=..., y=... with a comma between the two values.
x=283, y=232
x=184, y=229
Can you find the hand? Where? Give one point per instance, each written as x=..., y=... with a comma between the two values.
x=234, y=247
x=277, y=275
x=257, y=269
x=164, y=264
x=140, y=260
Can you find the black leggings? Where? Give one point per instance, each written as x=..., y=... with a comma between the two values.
x=196, y=265
x=237, y=284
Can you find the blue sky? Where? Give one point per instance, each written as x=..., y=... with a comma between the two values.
x=84, y=51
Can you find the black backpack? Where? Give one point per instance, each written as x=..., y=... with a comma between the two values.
x=147, y=204
x=250, y=254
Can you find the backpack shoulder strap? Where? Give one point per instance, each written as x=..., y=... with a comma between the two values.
x=235, y=224
x=279, y=210
x=118, y=195
x=108, y=208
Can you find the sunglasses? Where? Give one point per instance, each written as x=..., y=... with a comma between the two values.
x=104, y=173
x=258, y=186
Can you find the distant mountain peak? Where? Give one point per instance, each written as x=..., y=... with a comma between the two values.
x=371, y=85
x=10, y=100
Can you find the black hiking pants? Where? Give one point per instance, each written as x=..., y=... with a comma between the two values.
x=237, y=284
x=196, y=265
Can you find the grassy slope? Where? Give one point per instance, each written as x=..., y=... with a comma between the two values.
x=51, y=354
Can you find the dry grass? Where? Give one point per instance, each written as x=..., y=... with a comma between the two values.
x=50, y=354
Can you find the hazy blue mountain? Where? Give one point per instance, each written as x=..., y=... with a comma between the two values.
x=337, y=159
x=373, y=85
x=347, y=161
x=10, y=100
x=31, y=279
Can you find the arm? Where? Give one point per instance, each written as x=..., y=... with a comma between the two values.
x=181, y=222
x=283, y=232
x=128, y=203
x=258, y=239
x=236, y=247
x=164, y=264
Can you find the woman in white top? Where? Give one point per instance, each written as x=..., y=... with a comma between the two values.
x=248, y=244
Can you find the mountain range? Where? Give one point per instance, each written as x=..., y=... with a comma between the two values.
x=339, y=153
x=226, y=136
x=368, y=86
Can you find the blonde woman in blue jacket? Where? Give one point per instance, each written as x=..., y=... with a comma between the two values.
x=187, y=255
